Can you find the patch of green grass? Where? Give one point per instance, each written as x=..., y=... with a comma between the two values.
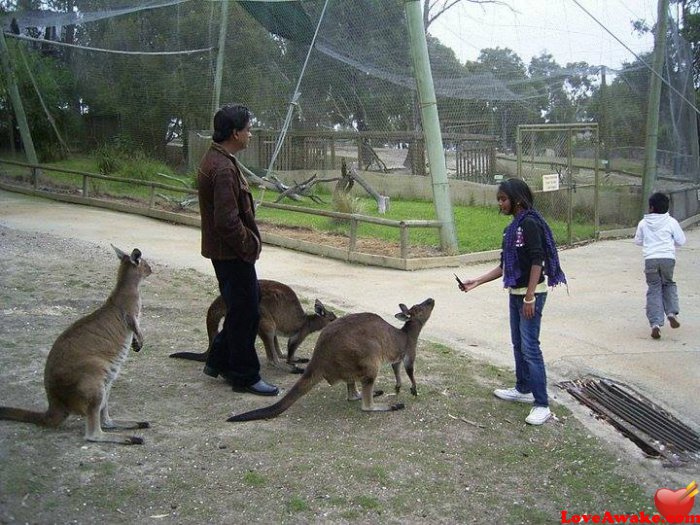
x=253, y=478
x=478, y=228
x=297, y=504
x=368, y=502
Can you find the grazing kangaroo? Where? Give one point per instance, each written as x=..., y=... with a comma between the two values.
x=281, y=313
x=86, y=358
x=352, y=349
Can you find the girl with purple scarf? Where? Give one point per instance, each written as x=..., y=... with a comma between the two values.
x=528, y=254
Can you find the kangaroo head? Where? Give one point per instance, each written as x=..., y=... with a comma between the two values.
x=133, y=262
x=418, y=312
x=322, y=312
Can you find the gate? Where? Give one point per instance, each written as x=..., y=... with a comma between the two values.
x=561, y=163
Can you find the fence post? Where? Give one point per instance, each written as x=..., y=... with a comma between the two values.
x=35, y=178
x=152, y=200
x=85, y=186
x=353, y=235
x=403, y=232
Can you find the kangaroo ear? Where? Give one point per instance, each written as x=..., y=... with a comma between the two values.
x=120, y=253
x=136, y=256
x=402, y=316
x=319, y=308
x=404, y=309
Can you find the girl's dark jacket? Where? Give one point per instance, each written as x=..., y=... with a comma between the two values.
x=226, y=208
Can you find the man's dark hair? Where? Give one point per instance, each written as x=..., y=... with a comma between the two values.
x=229, y=119
x=518, y=193
x=658, y=202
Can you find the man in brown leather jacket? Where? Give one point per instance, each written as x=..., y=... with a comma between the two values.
x=230, y=238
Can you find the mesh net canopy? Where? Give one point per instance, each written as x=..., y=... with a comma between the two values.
x=142, y=75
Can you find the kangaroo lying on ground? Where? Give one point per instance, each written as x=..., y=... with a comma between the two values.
x=352, y=349
x=86, y=359
x=281, y=313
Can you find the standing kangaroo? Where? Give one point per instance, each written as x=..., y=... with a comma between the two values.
x=280, y=313
x=352, y=349
x=86, y=359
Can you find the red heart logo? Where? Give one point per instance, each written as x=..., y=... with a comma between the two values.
x=671, y=503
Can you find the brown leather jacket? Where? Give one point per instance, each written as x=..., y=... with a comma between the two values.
x=226, y=208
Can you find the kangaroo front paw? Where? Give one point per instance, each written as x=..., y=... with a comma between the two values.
x=414, y=391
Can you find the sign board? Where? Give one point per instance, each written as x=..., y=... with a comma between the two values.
x=550, y=182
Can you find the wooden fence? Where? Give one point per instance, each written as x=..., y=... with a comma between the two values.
x=353, y=219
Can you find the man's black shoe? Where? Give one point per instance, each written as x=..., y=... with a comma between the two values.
x=261, y=388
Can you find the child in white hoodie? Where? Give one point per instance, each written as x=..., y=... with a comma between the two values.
x=659, y=234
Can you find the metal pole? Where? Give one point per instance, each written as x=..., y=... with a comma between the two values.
x=596, y=190
x=652, y=127
x=431, y=126
x=570, y=193
x=219, y=72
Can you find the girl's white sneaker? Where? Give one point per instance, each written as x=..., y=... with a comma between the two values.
x=538, y=415
x=512, y=394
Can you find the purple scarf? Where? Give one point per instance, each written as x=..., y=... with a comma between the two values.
x=511, y=268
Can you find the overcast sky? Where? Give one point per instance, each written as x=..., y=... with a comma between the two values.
x=559, y=27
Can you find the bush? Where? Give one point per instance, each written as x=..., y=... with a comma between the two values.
x=110, y=159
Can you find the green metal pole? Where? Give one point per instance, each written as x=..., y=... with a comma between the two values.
x=219, y=73
x=652, y=129
x=596, y=190
x=431, y=126
x=13, y=91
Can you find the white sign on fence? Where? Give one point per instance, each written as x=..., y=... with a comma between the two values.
x=550, y=182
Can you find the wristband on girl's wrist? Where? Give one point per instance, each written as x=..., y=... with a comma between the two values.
x=529, y=302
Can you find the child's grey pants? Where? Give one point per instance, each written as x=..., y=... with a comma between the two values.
x=662, y=294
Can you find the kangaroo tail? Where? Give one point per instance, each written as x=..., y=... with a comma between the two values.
x=192, y=356
x=301, y=387
x=27, y=416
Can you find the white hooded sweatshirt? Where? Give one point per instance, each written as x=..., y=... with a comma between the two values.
x=659, y=234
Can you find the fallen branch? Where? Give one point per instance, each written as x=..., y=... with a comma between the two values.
x=472, y=423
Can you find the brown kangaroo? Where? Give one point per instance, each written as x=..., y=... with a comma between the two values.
x=86, y=358
x=352, y=349
x=280, y=313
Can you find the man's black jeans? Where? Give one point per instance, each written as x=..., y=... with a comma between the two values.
x=233, y=349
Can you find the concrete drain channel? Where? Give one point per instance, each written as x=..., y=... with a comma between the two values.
x=650, y=427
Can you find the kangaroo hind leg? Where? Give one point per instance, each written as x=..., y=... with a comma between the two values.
x=93, y=428
x=354, y=395
x=107, y=423
x=368, y=395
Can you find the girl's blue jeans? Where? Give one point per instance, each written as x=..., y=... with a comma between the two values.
x=530, y=375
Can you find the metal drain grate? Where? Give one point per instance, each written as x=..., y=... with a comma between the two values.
x=649, y=426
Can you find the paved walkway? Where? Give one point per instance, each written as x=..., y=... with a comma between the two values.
x=598, y=328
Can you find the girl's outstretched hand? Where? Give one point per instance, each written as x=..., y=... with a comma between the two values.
x=467, y=285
